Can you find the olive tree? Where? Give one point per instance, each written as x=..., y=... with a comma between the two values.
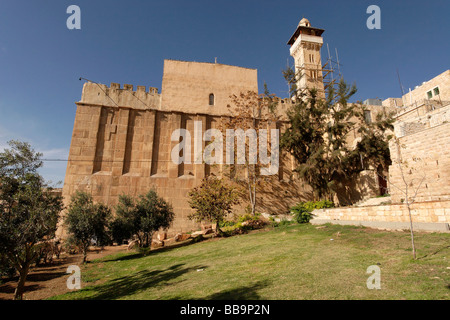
x=86, y=221
x=29, y=211
x=141, y=217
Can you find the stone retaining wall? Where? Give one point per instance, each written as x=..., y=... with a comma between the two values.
x=434, y=212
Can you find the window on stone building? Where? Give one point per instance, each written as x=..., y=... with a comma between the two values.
x=211, y=99
x=436, y=91
x=429, y=94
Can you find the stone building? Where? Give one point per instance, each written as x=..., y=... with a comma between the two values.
x=122, y=137
x=121, y=142
x=420, y=165
x=423, y=132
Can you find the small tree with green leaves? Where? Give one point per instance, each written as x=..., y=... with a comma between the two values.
x=86, y=222
x=141, y=217
x=213, y=201
x=29, y=211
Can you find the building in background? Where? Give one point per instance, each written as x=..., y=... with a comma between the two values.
x=121, y=141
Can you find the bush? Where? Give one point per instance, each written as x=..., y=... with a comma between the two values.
x=248, y=217
x=141, y=218
x=242, y=225
x=213, y=200
x=284, y=223
x=86, y=221
x=303, y=211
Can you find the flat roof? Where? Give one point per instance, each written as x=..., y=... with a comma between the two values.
x=299, y=30
x=212, y=63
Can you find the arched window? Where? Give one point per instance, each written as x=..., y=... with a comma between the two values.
x=211, y=99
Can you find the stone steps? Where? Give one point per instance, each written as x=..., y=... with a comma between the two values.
x=373, y=202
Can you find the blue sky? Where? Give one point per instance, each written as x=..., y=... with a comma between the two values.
x=127, y=41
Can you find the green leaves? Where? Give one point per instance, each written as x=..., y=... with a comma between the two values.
x=302, y=211
x=319, y=137
x=86, y=221
x=19, y=161
x=141, y=217
x=29, y=211
x=212, y=200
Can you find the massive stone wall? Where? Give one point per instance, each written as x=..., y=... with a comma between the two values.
x=121, y=144
x=186, y=86
x=426, y=216
x=424, y=154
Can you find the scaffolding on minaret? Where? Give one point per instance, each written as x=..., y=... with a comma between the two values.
x=331, y=70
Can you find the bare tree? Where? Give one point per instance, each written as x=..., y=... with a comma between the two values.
x=411, y=180
x=251, y=111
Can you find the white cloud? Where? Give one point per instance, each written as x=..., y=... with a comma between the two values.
x=60, y=154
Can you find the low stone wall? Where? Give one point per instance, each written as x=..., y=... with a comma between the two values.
x=427, y=216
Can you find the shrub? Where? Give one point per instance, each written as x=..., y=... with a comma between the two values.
x=303, y=211
x=284, y=222
x=243, y=224
x=86, y=221
x=141, y=218
x=213, y=201
x=248, y=217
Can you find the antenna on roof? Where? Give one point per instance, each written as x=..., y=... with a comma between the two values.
x=329, y=59
x=338, y=63
x=400, y=82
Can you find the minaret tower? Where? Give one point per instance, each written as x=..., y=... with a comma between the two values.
x=305, y=49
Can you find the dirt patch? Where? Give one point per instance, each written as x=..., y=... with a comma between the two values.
x=47, y=281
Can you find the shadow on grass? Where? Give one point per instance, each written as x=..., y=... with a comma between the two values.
x=433, y=253
x=242, y=293
x=140, y=281
x=45, y=276
x=10, y=289
x=113, y=258
x=137, y=255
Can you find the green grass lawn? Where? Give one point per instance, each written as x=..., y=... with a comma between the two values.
x=290, y=262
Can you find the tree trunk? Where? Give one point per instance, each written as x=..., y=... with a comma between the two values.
x=411, y=228
x=18, y=293
x=146, y=240
x=254, y=197
x=218, y=231
x=407, y=202
x=85, y=250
